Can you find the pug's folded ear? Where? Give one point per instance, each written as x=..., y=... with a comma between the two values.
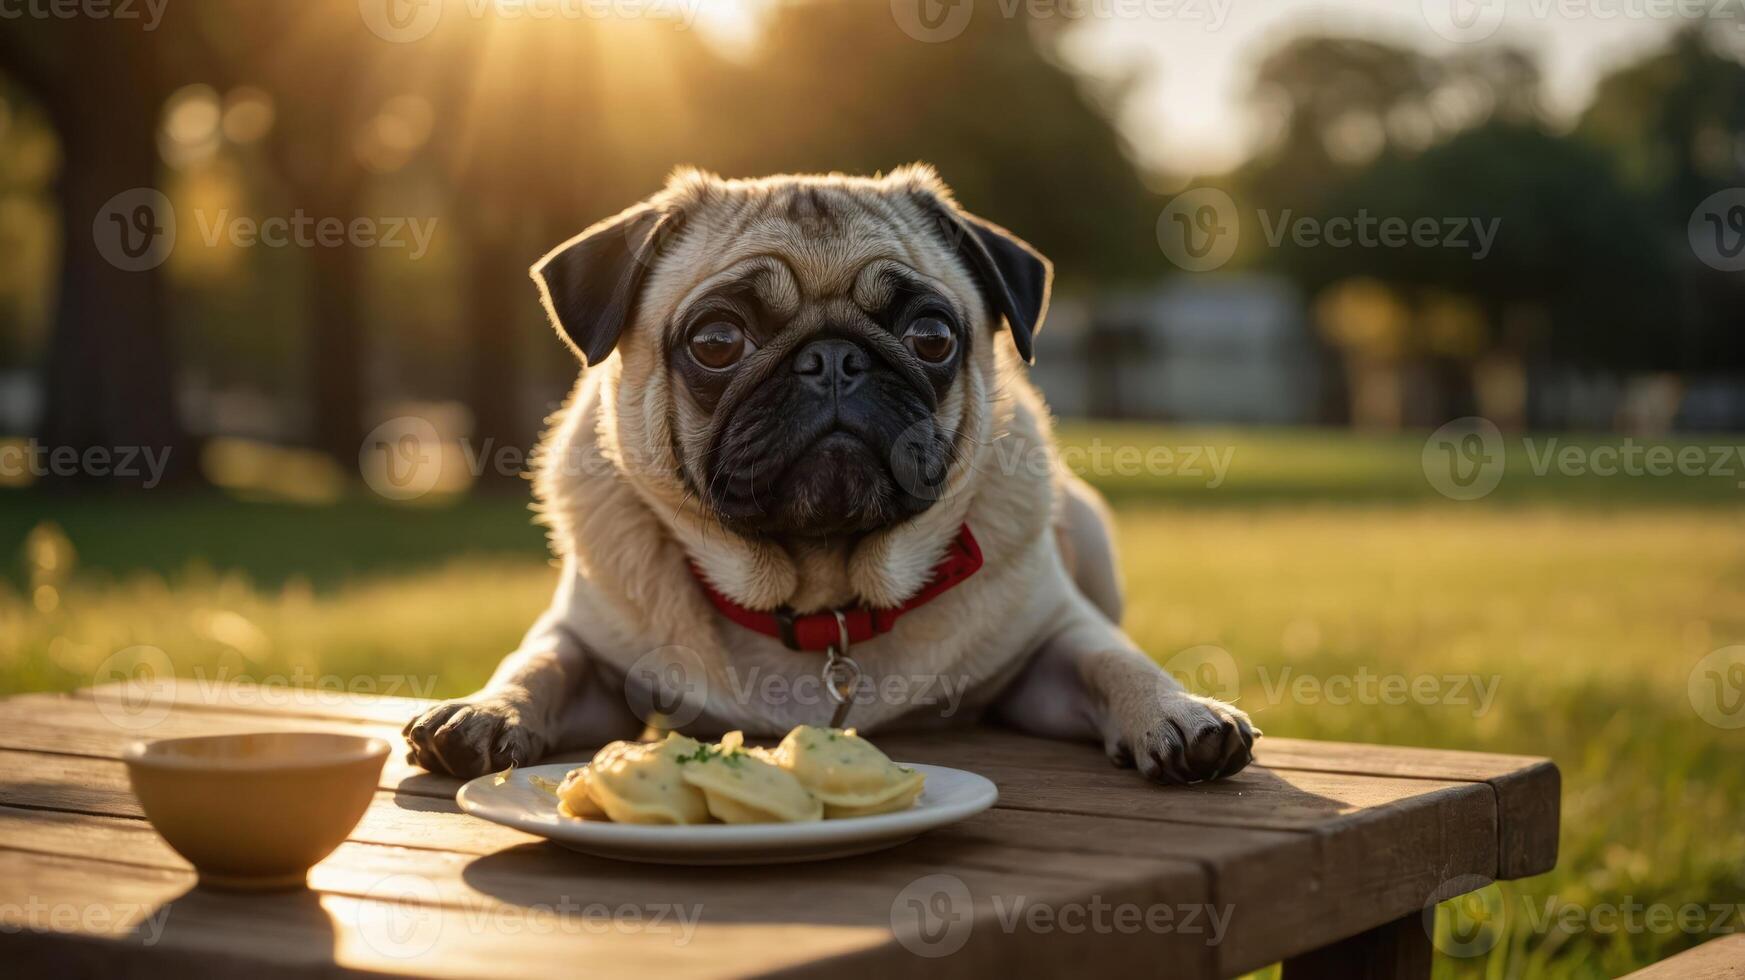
x=1015, y=277
x=589, y=285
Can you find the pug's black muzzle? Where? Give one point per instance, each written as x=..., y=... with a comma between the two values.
x=837, y=441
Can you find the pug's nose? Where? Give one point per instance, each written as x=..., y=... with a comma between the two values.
x=831, y=366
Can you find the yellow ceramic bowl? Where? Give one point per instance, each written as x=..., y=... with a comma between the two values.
x=256, y=811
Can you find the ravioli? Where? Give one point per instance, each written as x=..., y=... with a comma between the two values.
x=573, y=799
x=643, y=782
x=850, y=776
x=815, y=774
x=741, y=787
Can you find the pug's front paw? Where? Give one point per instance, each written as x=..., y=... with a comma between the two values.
x=1177, y=738
x=472, y=736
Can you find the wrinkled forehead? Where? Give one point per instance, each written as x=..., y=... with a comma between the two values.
x=806, y=242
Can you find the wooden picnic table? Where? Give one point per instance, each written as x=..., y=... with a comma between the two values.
x=1323, y=855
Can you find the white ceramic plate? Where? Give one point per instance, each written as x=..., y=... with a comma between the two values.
x=950, y=795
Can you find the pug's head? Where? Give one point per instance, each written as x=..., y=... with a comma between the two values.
x=804, y=356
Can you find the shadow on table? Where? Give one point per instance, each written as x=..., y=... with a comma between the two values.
x=297, y=914
x=600, y=894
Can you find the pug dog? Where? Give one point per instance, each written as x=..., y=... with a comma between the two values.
x=787, y=467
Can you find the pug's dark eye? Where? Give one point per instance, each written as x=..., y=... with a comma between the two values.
x=718, y=345
x=931, y=339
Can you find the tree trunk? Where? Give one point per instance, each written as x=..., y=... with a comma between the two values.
x=337, y=339
x=109, y=377
x=497, y=288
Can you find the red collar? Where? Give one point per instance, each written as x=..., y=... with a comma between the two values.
x=821, y=631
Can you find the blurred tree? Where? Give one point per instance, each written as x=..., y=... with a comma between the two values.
x=329, y=79
x=109, y=373
x=327, y=82
x=1575, y=272
x=512, y=182
x=534, y=127
x=546, y=128
x=1675, y=123
x=543, y=133
x=839, y=86
x=28, y=160
x=1331, y=105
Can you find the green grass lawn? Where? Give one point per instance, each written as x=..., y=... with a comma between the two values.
x=1570, y=610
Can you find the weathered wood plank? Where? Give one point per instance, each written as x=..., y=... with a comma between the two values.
x=1527, y=798
x=151, y=921
x=532, y=865
x=1303, y=853
x=540, y=909
x=1529, y=813
x=1032, y=773
x=1274, y=752
x=1001, y=745
x=1256, y=798
x=1280, y=889
x=99, y=787
x=77, y=726
x=1527, y=788
x=1717, y=959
